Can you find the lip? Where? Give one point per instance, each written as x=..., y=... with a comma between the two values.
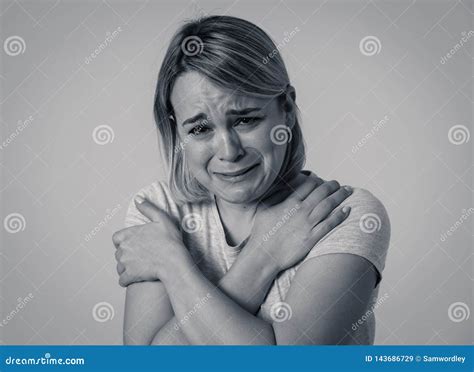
x=237, y=175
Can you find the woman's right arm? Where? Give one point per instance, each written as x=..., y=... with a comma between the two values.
x=147, y=309
x=149, y=317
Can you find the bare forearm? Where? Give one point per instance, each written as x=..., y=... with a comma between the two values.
x=246, y=283
x=207, y=315
x=248, y=280
x=170, y=334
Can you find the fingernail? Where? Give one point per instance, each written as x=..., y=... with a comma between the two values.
x=139, y=199
x=348, y=188
x=346, y=209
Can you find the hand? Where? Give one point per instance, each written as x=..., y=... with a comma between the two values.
x=287, y=230
x=144, y=250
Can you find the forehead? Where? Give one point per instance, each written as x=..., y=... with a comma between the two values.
x=194, y=93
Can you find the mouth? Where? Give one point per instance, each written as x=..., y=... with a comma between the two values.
x=241, y=173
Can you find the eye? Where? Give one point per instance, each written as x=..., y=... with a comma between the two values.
x=248, y=121
x=198, y=130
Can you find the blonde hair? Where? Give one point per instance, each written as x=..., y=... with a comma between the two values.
x=233, y=54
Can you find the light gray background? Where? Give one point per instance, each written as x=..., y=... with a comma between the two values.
x=63, y=183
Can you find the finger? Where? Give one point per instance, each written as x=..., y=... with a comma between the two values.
x=307, y=187
x=327, y=225
x=147, y=208
x=120, y=236
x=124, y=279
x=120, y=268
x=321, y=192
x=118, y=254
x=323, y=208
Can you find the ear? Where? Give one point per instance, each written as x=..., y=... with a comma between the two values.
x=290, y=91
x=289, y=105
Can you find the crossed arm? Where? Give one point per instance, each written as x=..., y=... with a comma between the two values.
x=328, y=294
x=240, y=291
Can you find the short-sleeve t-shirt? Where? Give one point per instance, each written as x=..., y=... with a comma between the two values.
x=365, y=232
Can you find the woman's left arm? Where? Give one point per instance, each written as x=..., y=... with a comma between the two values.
x=332, y=292
x=206, y=314
x=335, y=282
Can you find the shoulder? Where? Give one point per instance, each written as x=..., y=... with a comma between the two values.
x=368, y=223
x=365, y=197
x=365, y=232
x=159, y=194
x=368, y=213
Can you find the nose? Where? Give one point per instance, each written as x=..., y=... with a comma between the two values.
x=229, y=147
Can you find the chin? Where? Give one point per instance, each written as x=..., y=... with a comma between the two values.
x=239, y=195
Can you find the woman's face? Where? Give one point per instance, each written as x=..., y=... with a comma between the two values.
x=227, y=138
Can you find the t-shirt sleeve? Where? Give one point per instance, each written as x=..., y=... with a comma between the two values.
x=365, y=232
x=157, y=193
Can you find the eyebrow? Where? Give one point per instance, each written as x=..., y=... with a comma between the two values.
x=201, y=115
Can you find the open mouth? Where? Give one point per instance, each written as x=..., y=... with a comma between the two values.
x=238, y=173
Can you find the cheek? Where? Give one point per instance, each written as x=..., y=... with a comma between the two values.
x=197, y=158
x=272, y=151
x=194, y=150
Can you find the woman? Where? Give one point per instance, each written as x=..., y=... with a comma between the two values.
x=243, y=247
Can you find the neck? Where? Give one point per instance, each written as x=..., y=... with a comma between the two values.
x=241, y=212
x=236, y=212
x=237, y=220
